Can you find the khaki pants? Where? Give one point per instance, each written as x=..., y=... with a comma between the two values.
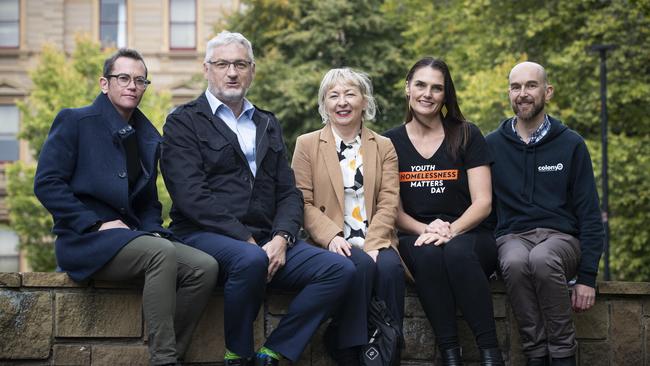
x=171, y=312
x=536, y=265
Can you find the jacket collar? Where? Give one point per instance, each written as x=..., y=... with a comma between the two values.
x=368, y=150
x=147, y=136
x=261, y=120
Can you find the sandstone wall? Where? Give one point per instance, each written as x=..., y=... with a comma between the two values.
x=46, y=319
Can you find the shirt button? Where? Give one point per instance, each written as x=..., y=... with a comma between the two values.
x=122, y=175
x=322, y=208
x=122, y=210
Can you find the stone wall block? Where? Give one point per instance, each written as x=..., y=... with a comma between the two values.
x=593, y=353
x=646, y=331
x=25, y=325
x=318, y=354
x=420, y=342
x=109, y=355
x=49, y=279
x=499, y=305
x=513, y=345
x=646, y=306
x=93, y=314
x=208, y=342
x=9, y=279
x=594, y=323
x=627, y=330
x=466, y=339
x=64, y=354
x=412, y=307
x=278, y=302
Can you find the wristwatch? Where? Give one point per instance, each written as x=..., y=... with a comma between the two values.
x=288, y=237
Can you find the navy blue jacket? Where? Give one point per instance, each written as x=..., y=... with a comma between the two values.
x=211, y=184
x=81, y=180
x=548, y=184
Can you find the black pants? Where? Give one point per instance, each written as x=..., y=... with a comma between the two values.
x=455, y=273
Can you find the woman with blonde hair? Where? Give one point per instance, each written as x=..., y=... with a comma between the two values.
x=348, y=176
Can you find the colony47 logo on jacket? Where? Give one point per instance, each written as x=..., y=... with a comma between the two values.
x=550, y=168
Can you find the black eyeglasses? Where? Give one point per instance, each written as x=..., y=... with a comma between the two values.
x=124, y=80
x=240, y=65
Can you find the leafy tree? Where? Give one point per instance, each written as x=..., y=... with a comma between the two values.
x=297, y=42
x=59, y=82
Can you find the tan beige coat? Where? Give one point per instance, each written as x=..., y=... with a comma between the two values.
x=318, y=176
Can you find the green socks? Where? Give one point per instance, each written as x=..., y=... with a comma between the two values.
x=263, y=351
x=270, y=353
x=231, y=356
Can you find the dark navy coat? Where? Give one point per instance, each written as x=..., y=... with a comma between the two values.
x=81, y=180
x=210, y=181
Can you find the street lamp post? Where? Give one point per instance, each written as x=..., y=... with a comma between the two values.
x=602, y=50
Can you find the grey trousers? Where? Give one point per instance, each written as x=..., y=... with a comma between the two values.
x=178, y=281
x=536, y=265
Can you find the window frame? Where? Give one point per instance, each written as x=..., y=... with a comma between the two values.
x=18, y=23
x=172, y=23
x=12, y=136
x=117, y=22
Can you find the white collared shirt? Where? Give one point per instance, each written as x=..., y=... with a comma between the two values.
x=243, y=126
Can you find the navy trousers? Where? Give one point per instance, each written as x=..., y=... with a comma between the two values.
x=321, y=277
x=386, y=279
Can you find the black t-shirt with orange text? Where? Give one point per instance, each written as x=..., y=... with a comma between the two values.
x=437, y=187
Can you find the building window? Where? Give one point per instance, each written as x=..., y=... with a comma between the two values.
x=9, y=133
x=112, y=23
x=9, y=23
x=182, y=24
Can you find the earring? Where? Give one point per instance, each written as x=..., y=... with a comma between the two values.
x=444, y=110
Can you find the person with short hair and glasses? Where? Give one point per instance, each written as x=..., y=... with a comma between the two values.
x=235, y=197
x=96, y=175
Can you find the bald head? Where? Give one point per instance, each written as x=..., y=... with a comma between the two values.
x=531, y=68
x=529, y=91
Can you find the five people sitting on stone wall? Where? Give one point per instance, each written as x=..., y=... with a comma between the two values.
x=237, y=210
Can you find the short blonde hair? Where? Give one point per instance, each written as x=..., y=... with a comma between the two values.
x=349, y=77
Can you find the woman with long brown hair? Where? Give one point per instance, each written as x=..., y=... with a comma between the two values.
x=445, y=197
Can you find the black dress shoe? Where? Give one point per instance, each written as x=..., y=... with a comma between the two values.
x=265, y=360
x=491, y=357
x=237, y=362
x=451, y=357
x=537, y=361
x=565, y=361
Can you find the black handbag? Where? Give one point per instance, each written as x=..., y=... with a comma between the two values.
x=384, y=337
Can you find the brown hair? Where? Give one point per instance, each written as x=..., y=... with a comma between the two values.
x=453, y=122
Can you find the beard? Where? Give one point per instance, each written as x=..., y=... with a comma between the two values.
x=531, y=114
x=229, y=96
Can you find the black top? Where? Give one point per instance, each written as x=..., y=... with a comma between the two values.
x=437, y=187
x=133, y=168
x=548, y=184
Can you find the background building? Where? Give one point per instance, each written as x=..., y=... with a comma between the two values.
x=170, y=34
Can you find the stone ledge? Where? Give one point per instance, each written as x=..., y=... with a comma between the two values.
x=9, y=279
x=623, y=288
x=49, y=279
